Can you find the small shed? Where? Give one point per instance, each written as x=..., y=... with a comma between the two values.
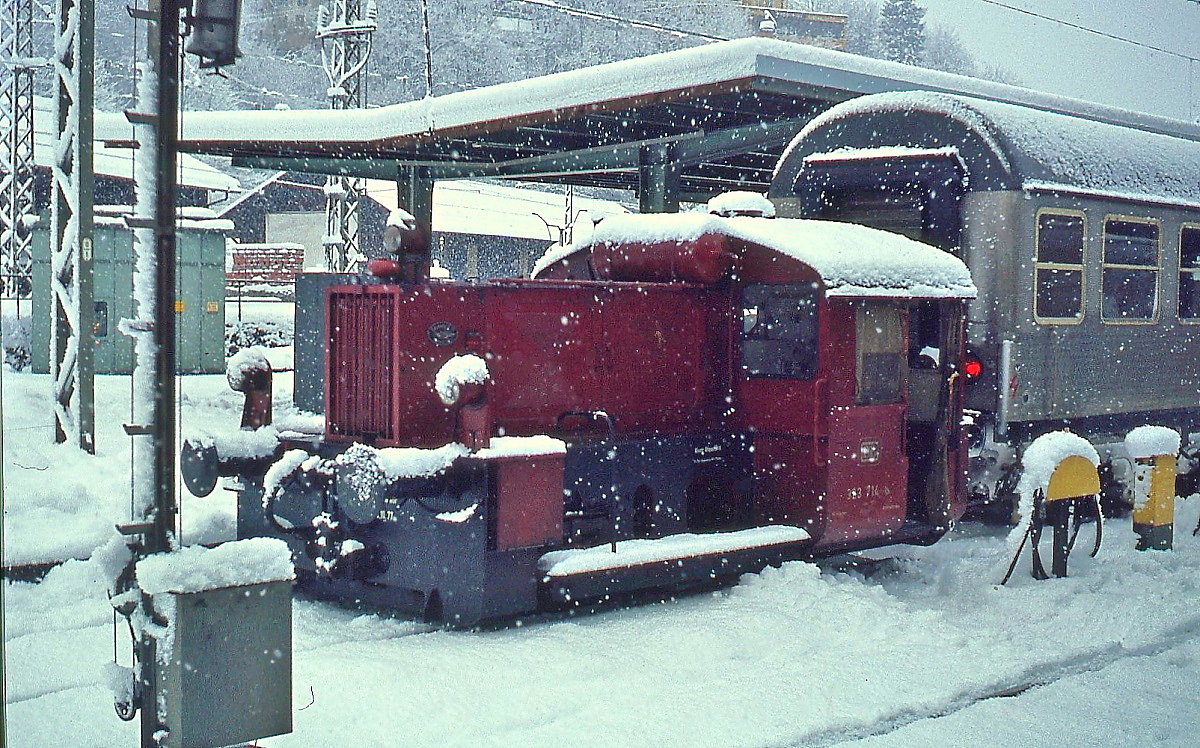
x=200, y=283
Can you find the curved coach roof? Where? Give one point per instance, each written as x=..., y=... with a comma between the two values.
x=1003, y=146
x=851, y=260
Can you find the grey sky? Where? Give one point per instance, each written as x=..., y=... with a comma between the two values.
x=1057, y=59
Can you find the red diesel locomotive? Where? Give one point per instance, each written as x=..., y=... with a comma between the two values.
x=683, y=397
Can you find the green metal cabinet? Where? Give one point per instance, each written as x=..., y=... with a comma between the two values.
x=199, y=305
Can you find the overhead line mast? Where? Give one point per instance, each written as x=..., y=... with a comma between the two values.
x=16, y=154
x=344, y=28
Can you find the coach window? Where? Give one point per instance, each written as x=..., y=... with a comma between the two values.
x=1131, y=264
x=1189, y=273
x=779, y=330
x=1058, y=290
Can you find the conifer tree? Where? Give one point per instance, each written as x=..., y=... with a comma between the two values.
x=902, y=31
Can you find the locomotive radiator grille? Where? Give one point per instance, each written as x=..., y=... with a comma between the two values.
x=361, y=371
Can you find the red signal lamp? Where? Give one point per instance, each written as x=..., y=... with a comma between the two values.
x=972, y=367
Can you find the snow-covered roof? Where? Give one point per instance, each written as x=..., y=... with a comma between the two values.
x=472, y=207
x=852, y=260
x=118, y=162
x=562, y=94
x=1003, y=146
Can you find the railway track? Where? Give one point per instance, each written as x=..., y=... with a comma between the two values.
x=1035, y=676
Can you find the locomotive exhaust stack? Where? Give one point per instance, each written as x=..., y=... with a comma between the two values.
x=759, y=404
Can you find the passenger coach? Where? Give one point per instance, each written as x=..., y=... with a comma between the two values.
x=1082, y=237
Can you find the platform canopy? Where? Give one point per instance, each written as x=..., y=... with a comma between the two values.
x=677, y=125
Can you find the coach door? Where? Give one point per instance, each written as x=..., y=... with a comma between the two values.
x=868, y=469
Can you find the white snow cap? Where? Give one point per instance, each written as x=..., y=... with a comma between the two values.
x=233, y=564
x=401, y=218
x=459, y=370
x=1151, y=441
x=413, y=462
x=635, y=552
x=249, y=444
x=852, y=260
x=243, y=362
x=500, y=447
x=1045, y=454
x=741, y=203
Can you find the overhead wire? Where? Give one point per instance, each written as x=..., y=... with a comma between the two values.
x=1080, y=27
x=596, y=15
x=1191, y=61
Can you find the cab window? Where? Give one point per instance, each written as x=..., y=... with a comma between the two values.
x=779, y=330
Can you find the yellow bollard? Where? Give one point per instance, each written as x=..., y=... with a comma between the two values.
x=1073, y=482
x=1059, y=479
x=1153, y=450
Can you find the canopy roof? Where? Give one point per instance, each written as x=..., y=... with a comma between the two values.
x=720, y=113
x=118, y=162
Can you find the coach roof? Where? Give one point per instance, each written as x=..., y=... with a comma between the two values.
x=1004, y=146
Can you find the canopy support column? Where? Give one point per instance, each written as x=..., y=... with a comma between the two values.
x=414, y=193
x=658, y=179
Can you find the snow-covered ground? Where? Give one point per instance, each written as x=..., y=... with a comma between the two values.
x=925, y=651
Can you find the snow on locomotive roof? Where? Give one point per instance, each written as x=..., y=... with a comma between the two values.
x=1033, y=149
x=852, y=260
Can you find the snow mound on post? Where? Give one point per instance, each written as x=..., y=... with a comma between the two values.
x=1045, y=454
x=741, y=203
x=234, y=564
x=459, y=370
x=1151, y=441
x=400, y=218
x=243, y=363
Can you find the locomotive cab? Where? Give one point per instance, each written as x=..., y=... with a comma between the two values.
x=845, y=351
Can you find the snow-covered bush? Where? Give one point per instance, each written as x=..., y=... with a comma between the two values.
x=16, y=334
x=265, y=333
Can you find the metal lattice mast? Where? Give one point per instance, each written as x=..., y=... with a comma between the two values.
x=71, y=230
x=16, y=155
x=344, y=28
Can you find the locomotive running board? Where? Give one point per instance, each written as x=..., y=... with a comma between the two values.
x=590, y=573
